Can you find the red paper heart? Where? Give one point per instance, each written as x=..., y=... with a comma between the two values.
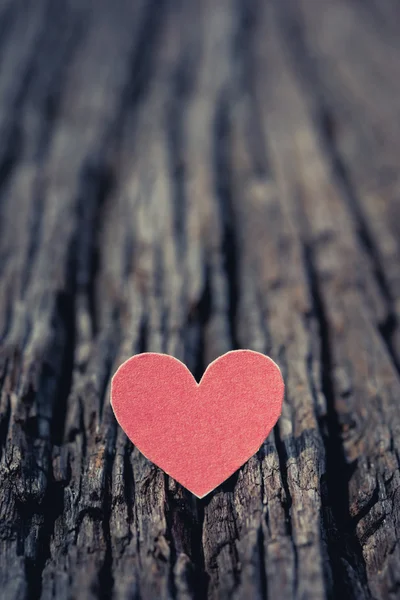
x=199, y=433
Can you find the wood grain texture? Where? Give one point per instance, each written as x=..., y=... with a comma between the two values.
x=191, y=178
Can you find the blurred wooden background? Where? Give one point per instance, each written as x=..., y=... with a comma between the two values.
x=194, y=177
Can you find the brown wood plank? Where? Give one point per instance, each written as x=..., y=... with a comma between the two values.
x=359, y=379
x=189, y=178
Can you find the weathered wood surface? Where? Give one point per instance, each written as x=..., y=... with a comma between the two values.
x=192, y=177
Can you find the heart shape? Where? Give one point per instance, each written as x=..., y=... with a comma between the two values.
x=199, y=433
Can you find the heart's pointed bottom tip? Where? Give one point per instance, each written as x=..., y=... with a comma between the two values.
x=203, y=495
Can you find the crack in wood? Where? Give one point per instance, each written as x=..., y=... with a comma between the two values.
x=337, y=469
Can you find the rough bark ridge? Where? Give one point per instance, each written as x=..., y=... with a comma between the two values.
x=192, y=177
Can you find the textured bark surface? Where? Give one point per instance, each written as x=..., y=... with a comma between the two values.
x=190, y=178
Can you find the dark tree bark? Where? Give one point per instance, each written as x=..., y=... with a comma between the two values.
x=193, y=177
